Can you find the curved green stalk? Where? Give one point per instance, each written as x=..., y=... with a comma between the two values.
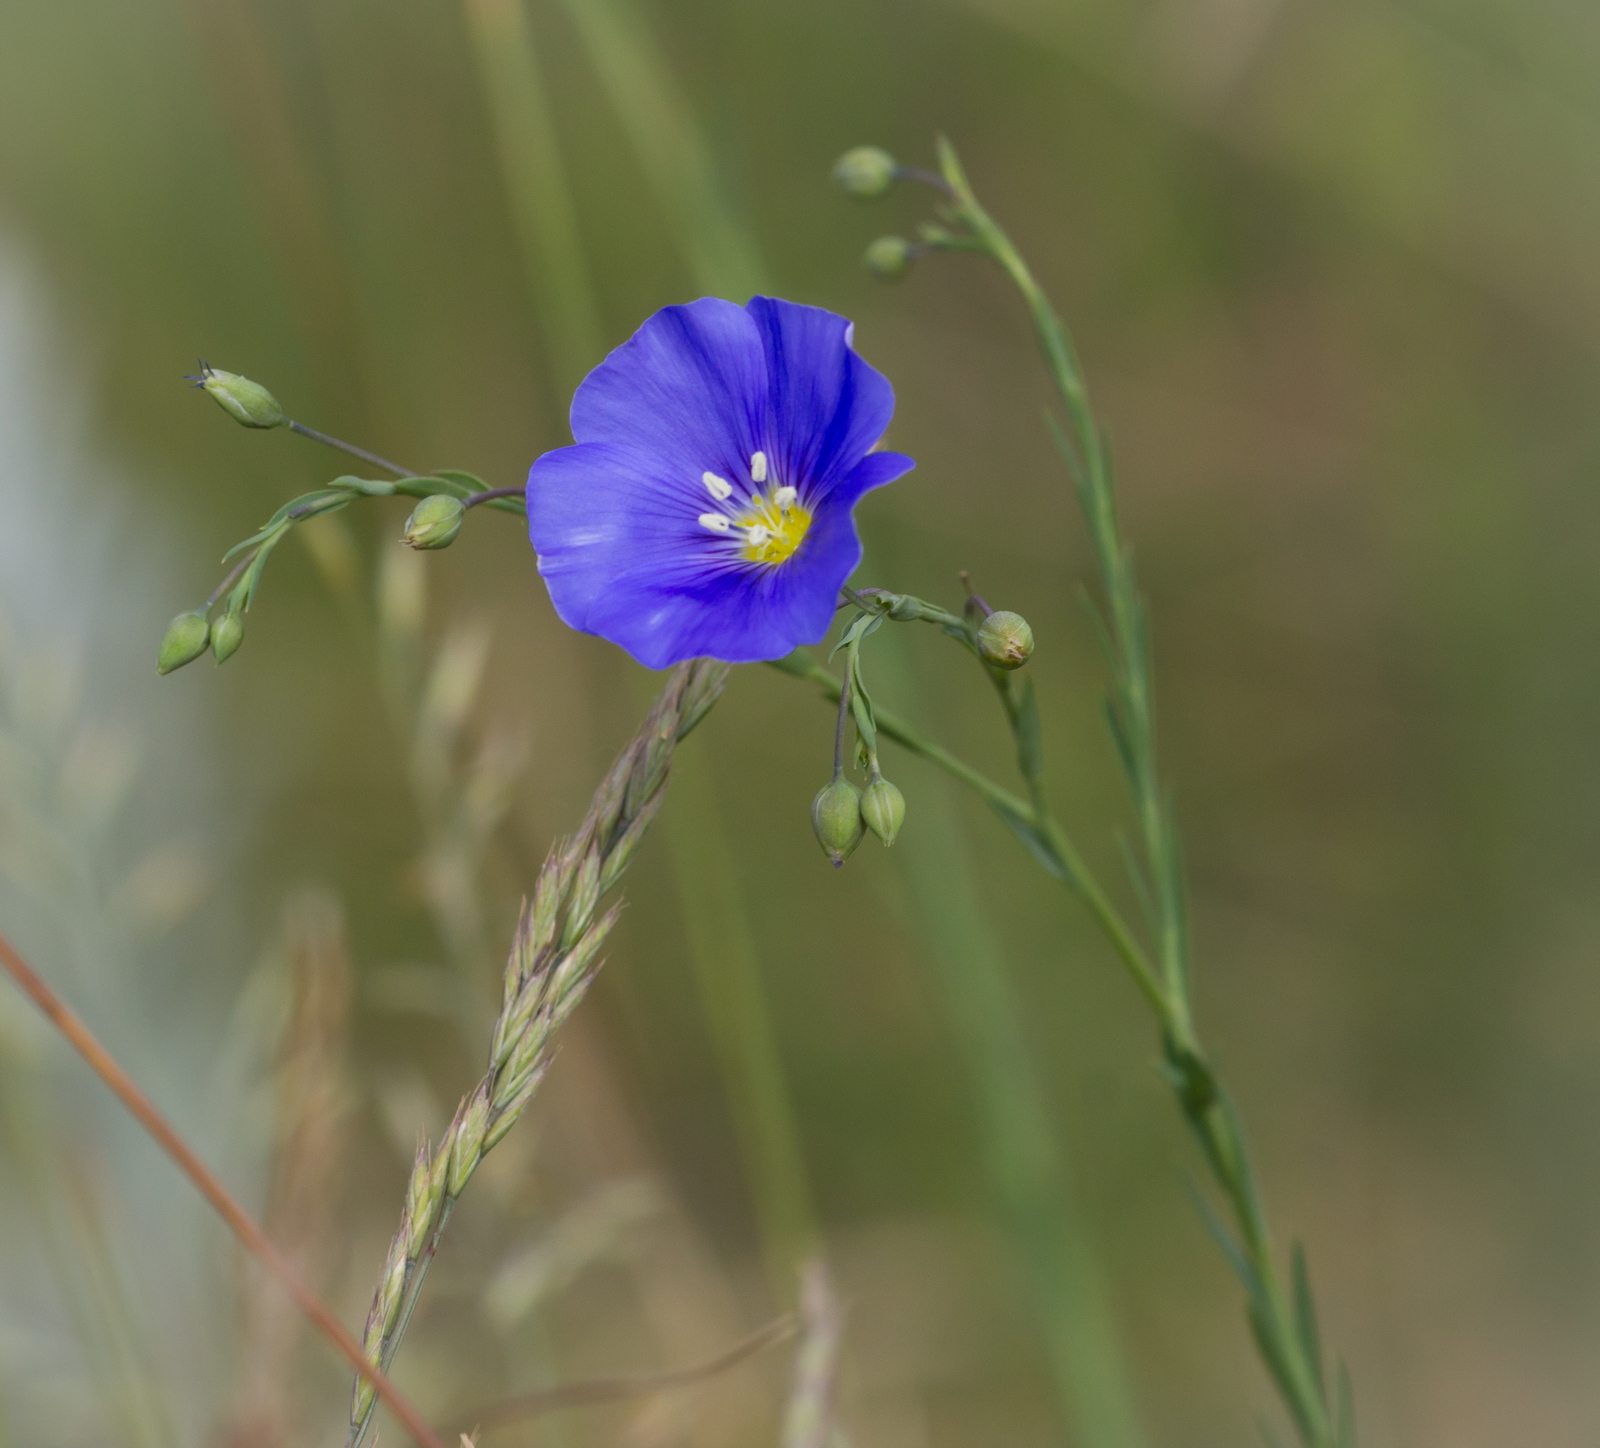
x=1283, y=1321
x=1053, y=847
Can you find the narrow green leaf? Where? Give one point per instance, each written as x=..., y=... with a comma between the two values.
x=853, y=634
x=1228, y=1243
x=252, y=541
x=1064, y=444
x=861, y=705
x=1035, y=846
x=1305, y=1315
x=462, y=484
x=1141, y=885
x=368, y=487
x=426, y=485
x=1102, y=633
x=1030, y=752
x=1344, y=1416
x=1277, y=1365
x=244, y=591
x=1119, y=737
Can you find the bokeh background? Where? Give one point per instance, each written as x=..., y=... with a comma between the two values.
x=1332, y=270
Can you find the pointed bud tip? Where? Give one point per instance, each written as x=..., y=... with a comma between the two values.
x=435, y=521
x=1004, y=639
x=247, y=402
x=184, y=641
x=865, y=172
x=836, y=818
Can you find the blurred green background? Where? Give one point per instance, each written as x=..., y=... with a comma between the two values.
x=1332, y=271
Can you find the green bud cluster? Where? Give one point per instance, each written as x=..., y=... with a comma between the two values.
x=889, y=258
x=836, y=818
x=247, y=402
x=866, y=172
x=841, y=815
x=184, y=641
x=226, y=635
x=883, y=809
x=1005, y=639
x=435, y=521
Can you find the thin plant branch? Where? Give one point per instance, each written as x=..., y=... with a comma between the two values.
x=489, y=495
x=358, y=452
x=619, y=1389
x=1282, y=1321
x=222, y=1201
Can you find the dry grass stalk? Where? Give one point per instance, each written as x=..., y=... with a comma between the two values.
x=302, y=1197
x=222, y=1201
x=809, y=1420
x=553, y=959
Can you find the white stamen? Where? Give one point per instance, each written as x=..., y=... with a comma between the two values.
x=758, y=535
x=716, y=522
x=785, y=498
x=758, y=467
x=719, y=488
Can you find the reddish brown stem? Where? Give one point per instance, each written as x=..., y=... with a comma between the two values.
x=257, y=1241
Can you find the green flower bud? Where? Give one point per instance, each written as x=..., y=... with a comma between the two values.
x=226, y=635
x=183, y=642
x=245, y=401
x=836, y=817
x=866, y=173
x=435, y=521
x=888, y=258
x=883, y=808
x=1005, y=639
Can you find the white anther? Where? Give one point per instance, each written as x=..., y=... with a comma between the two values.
x=786, y=497
x=719, y=488
x=716, y=522
x=758, y=467
x=758, y=535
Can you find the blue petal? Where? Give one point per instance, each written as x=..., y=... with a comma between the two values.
x=623, y=556
x=597, y=511
x=873, y=471
x=688, y=389
x=826, y=406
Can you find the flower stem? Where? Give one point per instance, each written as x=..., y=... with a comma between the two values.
x=839, y=728
x=1064, y=861
x=1285, y=1331
x=488, y=496
x=351, y=448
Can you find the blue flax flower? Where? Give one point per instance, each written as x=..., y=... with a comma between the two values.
x=705, y=509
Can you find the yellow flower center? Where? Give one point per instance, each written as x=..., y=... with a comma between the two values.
x=773, y=525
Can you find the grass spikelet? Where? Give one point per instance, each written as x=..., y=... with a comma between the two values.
x=543, y=983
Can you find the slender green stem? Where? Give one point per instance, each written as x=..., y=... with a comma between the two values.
x=1069, y=864
x=839, y=730
x=229, y=581
x=1285, y=1331
x=489, y=495
x=351, y=448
